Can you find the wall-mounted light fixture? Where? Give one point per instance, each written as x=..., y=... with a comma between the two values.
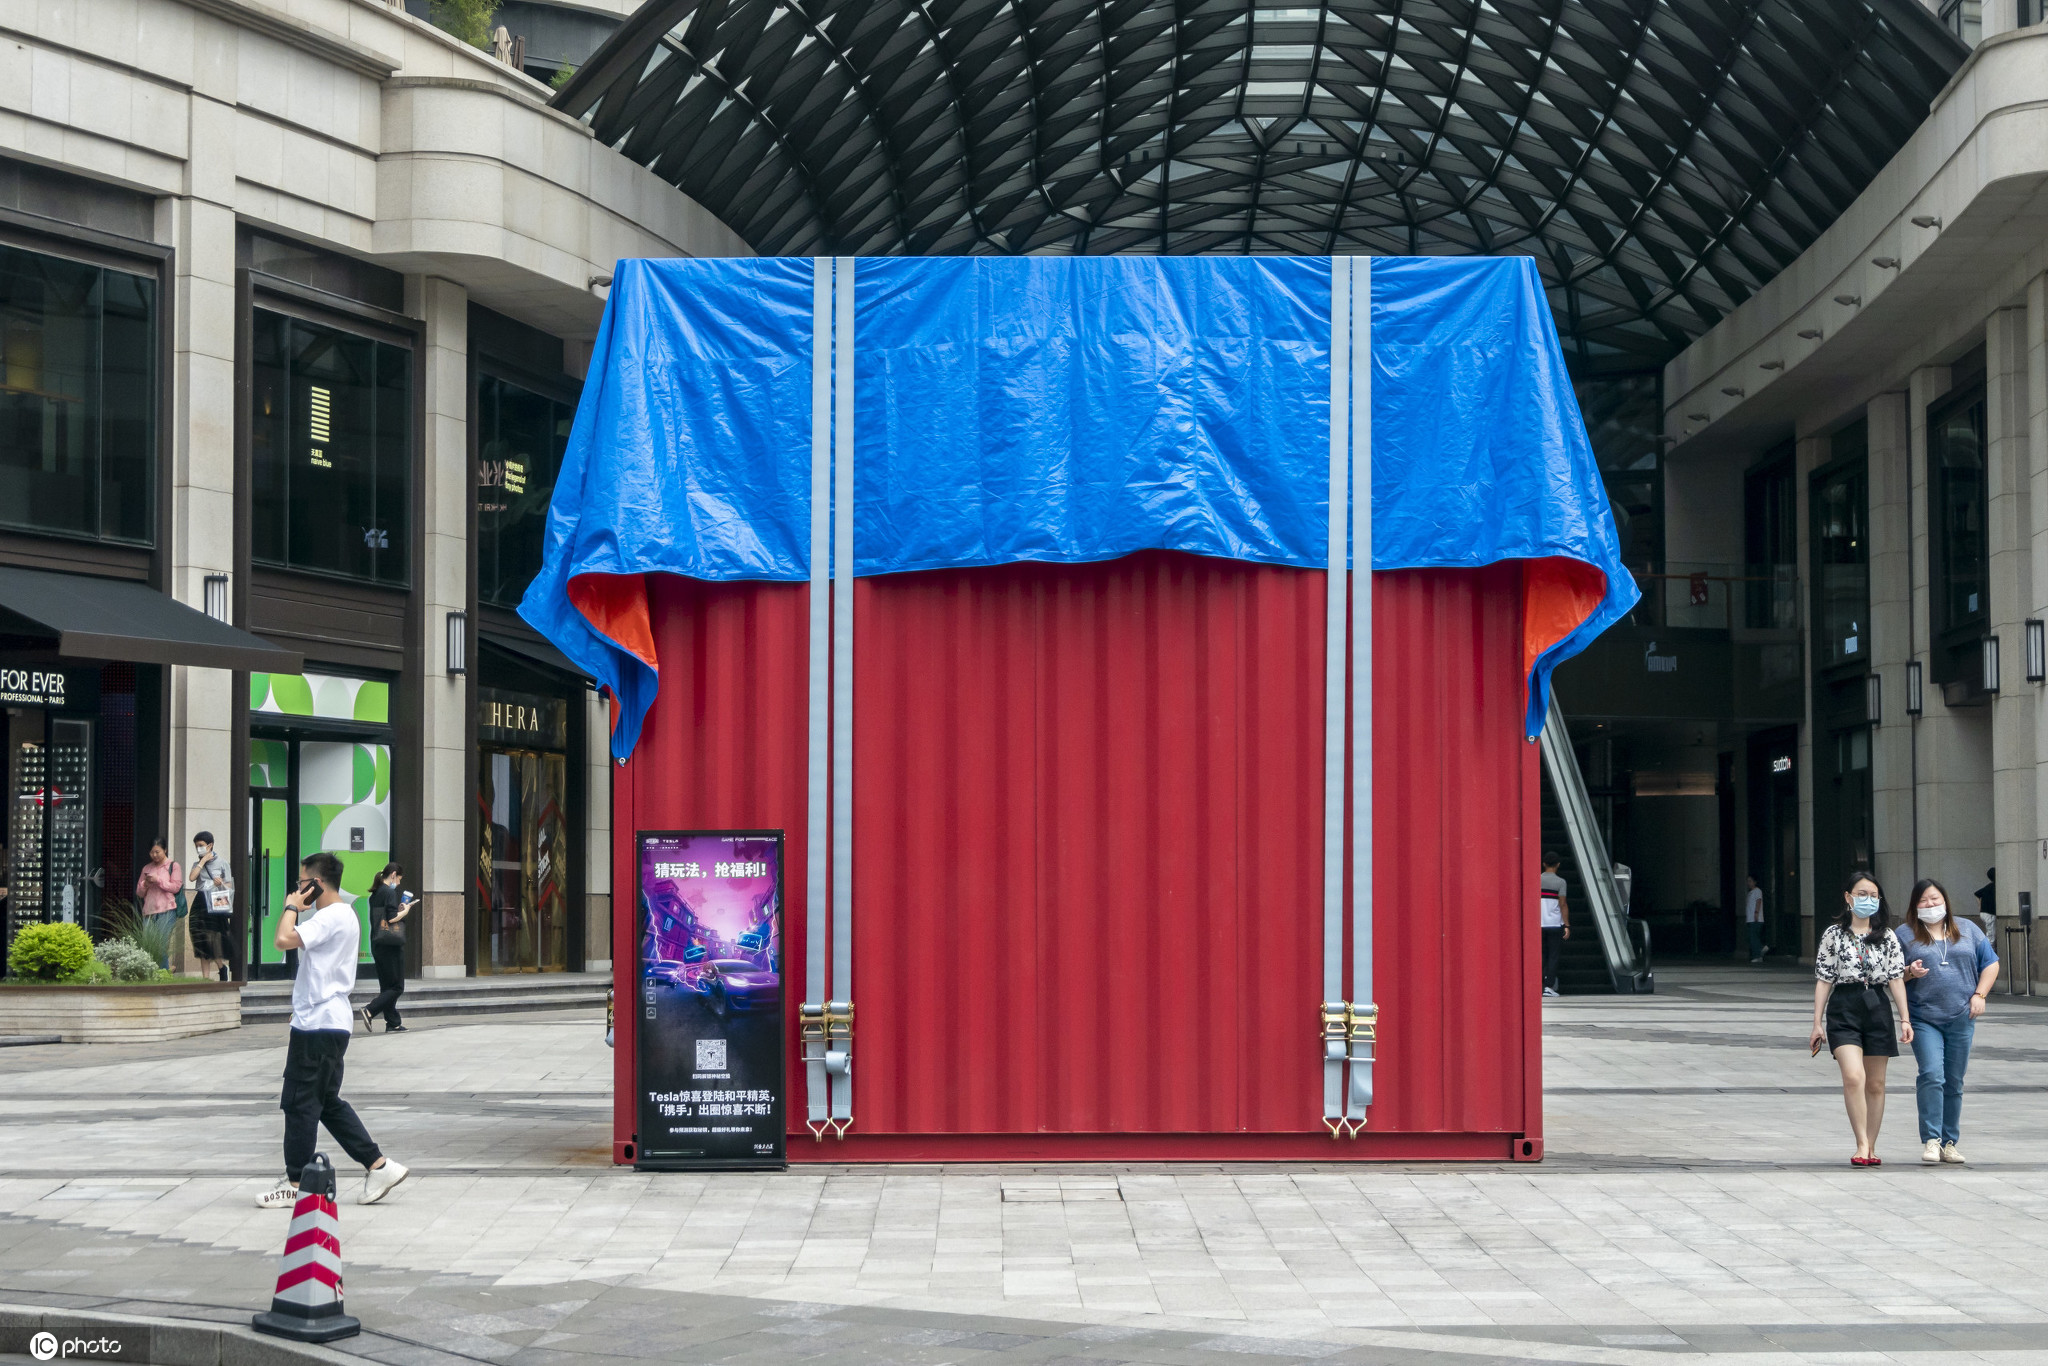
x=1732, y=390
x=1926, y=220
x=1873, y=698
x=1991, y=664
x=458, y=643
x=1848, y=299
x=1913, y=697
x=1770, y=365
x=1810, y=333
x=2037, y=650
x=1885, y=262
x=214, y=596
x=1697, y=417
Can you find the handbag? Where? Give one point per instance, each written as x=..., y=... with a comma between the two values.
x=178, y=903
x=384, y=937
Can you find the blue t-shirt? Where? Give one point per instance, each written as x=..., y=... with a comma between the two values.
x=1952, y=971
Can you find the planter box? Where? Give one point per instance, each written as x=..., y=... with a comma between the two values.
x=121, y=1014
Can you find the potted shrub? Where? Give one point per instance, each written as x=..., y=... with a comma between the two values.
x=58, y=982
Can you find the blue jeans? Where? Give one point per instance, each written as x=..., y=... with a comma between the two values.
x=1943, y=1052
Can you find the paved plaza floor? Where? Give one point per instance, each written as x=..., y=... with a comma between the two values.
x=1695, y=1203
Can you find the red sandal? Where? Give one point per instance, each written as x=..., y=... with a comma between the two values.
x=1859, y=1161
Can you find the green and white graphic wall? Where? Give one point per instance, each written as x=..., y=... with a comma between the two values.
x=344, y=788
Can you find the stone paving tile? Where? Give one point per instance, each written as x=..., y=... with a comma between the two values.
x=1692, y=1179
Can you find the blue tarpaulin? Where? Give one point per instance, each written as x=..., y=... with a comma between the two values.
x=1067, y=409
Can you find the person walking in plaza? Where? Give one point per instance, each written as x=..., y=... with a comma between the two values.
x=1553, y=915
x=388, y=909
x=1859, y=1007
x=1950, y=966
x=1987, y=902
x=158, y=890
x=1753, y=920
x=213, y=902
x=323, y=929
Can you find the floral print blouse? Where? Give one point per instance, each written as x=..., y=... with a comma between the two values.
x=1844, y=958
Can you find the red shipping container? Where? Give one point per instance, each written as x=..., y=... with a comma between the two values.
x=1087, y=898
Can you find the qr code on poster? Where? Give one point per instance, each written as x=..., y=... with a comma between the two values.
x=711, y=1055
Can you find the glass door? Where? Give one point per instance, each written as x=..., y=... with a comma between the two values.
x=52, y=854
x=270, y=870
x=522, y=862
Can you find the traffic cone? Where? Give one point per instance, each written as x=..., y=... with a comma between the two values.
x=307, y=1303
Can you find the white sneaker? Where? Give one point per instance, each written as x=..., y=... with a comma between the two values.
x=1951, y=1153
x=1550, y=991
x=1931, y=1154
x=378, y=1181
x=283, y=1195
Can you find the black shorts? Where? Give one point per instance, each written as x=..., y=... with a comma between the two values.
x=1861, y=1017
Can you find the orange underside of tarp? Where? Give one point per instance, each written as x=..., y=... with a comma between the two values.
x=1558, y=595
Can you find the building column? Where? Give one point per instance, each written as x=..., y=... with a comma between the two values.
x=2037, y=540
x=199, y=226
x=1809, y=455
x=597, y=879
x=445, y=710
x=1953, y=796
x=1892, y=642
x=2008, y=469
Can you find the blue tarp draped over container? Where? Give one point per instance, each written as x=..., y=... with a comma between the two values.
x=1064, y=409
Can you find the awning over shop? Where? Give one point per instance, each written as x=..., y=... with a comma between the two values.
x=89, y=618
x=536, y=652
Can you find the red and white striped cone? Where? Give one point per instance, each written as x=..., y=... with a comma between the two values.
x=307, y=1302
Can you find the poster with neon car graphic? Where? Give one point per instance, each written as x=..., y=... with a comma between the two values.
x=710, y=1038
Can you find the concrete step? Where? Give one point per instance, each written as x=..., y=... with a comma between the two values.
x=271, y=1002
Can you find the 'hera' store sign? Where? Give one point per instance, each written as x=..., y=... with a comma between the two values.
x=44, y=685
x=522, y=719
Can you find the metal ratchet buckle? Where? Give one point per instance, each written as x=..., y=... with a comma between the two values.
x=1335, y=1015
x=810, y=1017
x=1365, y=1033
x=839, y=1053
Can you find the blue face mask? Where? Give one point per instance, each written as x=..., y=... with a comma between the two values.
x=1865, y=906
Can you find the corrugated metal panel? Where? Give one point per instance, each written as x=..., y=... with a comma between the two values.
x=1086, y=871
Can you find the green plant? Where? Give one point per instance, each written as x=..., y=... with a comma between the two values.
x=469, y=20
x=126, y=961
x=48, y=953
x=561, y=77
x=154, y=937
x=93, y=974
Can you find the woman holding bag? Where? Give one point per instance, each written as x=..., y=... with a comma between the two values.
x=213, y=902
x=159, y=890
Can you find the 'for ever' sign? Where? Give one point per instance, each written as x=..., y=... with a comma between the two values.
x=43, y=685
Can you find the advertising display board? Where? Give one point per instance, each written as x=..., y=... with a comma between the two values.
x=709, y=1064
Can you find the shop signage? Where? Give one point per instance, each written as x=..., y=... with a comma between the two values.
x=57, y=686
x=517, y=718
x=708, y=1050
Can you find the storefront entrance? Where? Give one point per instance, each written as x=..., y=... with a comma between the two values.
x=69, y=838
x=319, y=780
x=522, y=884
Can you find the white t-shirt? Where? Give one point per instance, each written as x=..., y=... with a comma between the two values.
x=1551, y=908
x=331, y=940
x=1753, y=908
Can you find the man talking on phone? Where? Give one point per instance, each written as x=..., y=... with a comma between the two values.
x=323, y=929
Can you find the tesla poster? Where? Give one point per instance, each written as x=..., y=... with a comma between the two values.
x=710, y=1039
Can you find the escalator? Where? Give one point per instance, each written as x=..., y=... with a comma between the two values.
x=1607, y=951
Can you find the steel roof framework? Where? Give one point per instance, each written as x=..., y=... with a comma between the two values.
x=1661, y=159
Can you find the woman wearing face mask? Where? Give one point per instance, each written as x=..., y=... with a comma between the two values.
x=1858, y=994
x=1950, y=966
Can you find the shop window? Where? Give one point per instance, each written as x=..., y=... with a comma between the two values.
x=520, y=439
x=1961, y=552
x=331, y=450
x=1624, y=423
x=1841, y=563
x=78, y=392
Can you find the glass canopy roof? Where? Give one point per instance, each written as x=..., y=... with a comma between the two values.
x=1661, y=159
